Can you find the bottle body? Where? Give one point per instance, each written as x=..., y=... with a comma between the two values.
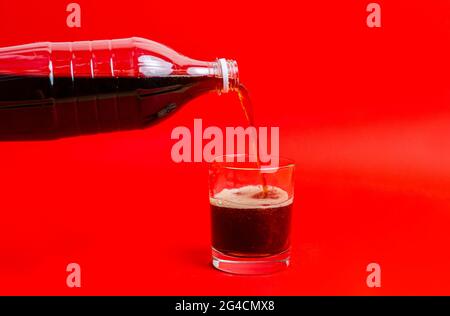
x=51, y=90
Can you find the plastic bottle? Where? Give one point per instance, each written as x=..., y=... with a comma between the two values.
x=51, y=90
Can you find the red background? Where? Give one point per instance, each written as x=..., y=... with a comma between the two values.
x=364, y=112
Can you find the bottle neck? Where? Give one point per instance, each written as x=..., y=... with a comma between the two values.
x=227, y=70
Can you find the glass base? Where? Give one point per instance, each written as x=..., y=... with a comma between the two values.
x=254, y=265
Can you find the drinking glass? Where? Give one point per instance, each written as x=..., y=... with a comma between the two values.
x=251, y=212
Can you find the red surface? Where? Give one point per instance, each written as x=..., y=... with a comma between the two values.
x=364, y=112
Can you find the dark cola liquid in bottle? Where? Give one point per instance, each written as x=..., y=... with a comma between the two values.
x=51, y=90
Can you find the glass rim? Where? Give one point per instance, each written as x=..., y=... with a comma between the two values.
x=284, y=163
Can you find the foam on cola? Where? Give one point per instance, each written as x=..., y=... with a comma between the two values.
x=250, y=222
